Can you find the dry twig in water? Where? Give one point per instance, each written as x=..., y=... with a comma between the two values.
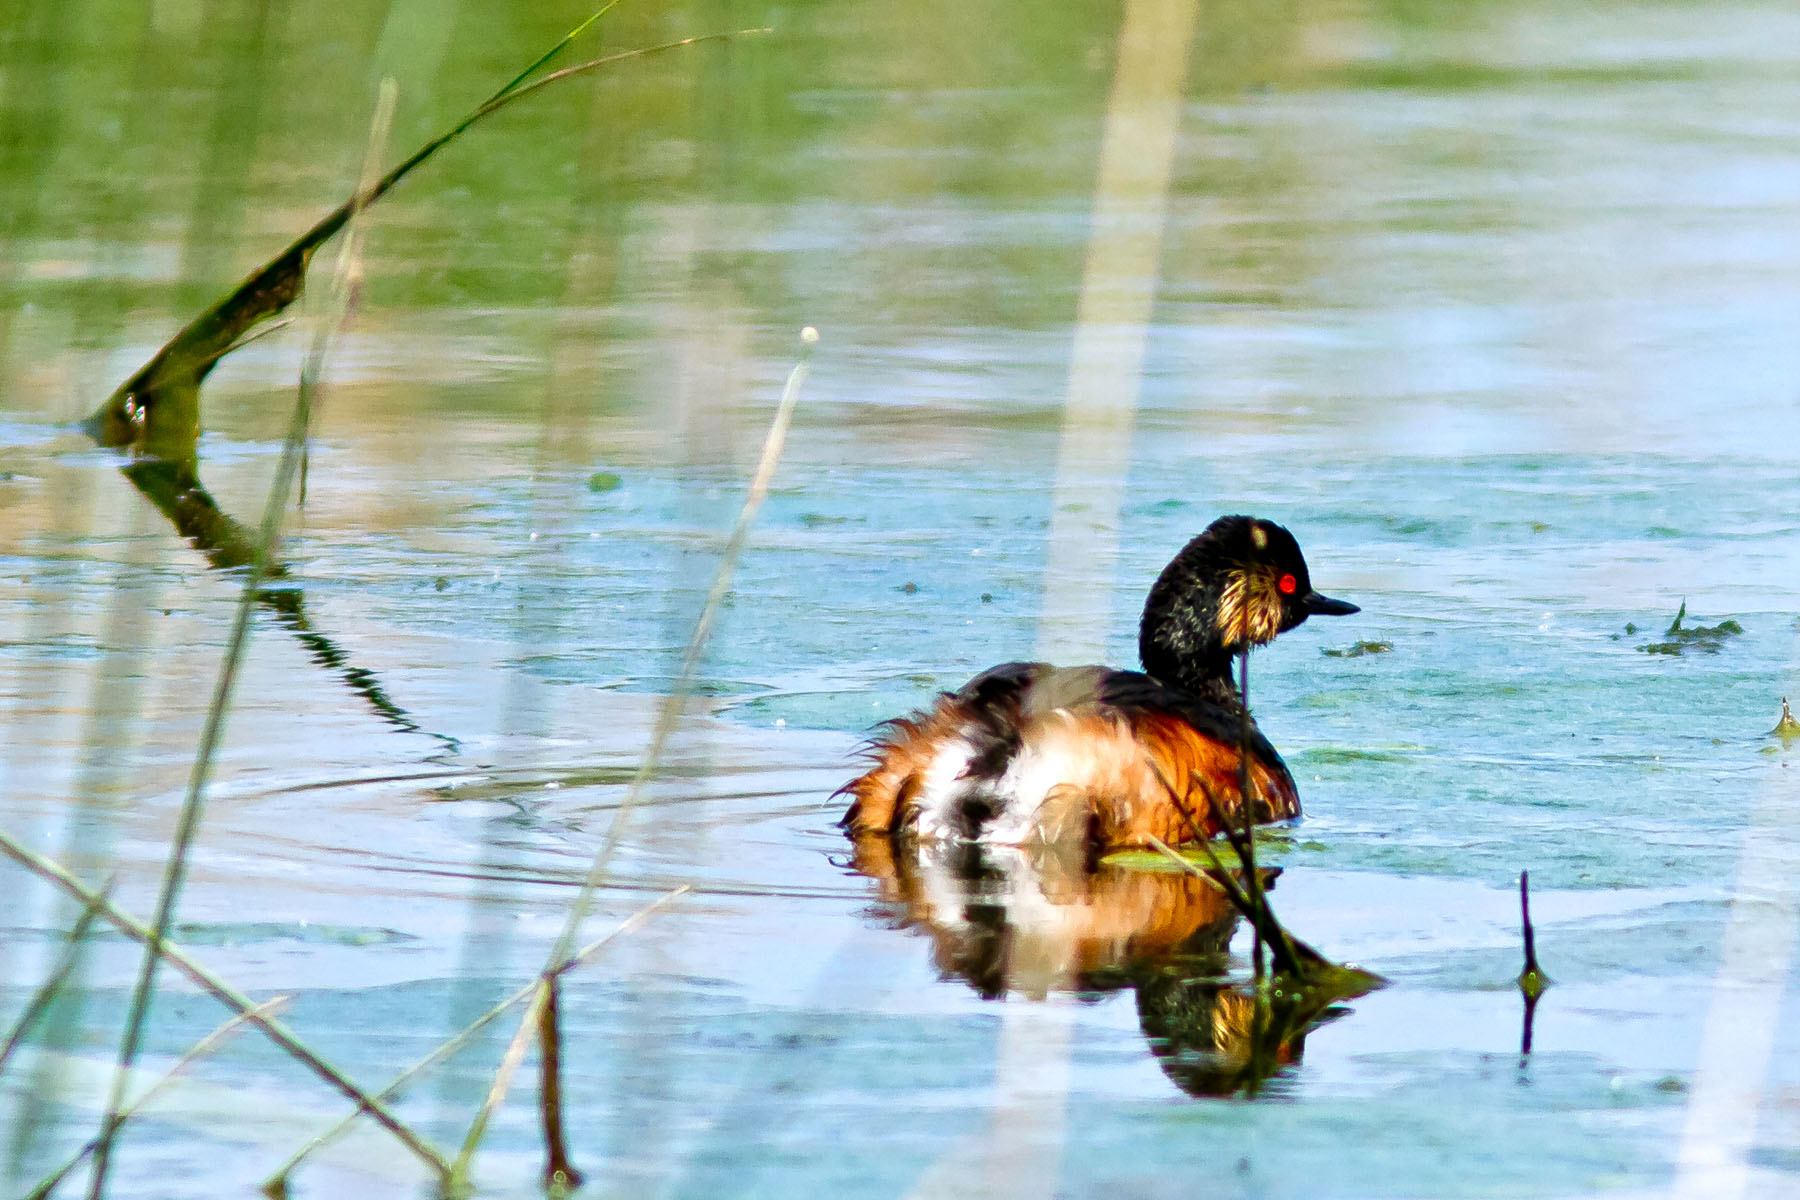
x=1532, y=981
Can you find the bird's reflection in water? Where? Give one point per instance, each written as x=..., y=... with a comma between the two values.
x=1033, y=920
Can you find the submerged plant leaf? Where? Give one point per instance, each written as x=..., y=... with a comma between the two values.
x=1132, y=859
x=1151, y=860
x=175, y=488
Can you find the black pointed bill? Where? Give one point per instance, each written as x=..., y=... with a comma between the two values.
x=1325, y=606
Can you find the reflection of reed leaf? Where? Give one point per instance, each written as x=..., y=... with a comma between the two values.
x=289, y=607
x=157, y=410
x=176, y=490
x=174, y=486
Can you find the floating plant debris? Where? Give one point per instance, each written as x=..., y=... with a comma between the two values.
x=1359, y=649
x=1787, y=729
x=1679, y=638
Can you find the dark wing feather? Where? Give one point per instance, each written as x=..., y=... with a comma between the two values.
x=993, y=706
x=985, y=711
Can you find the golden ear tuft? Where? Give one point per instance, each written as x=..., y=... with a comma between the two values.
x=1249, y=608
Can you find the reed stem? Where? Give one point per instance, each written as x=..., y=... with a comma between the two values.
x=267, y=541
x=276, y=1184
x=225, y=994
x=53, y=983
x=197, y=1051
x=669, y=713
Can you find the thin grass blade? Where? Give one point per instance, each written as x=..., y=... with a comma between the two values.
x=54, y=982
x=195, y=1053
x=276, y=1184
x=268, y=538
x=669, y=714
x=509, y=1066
x=219, y=990
x=553, y=51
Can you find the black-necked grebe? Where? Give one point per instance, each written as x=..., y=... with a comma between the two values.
x=1028, y=752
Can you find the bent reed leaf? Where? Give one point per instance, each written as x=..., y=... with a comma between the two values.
x=156, y=412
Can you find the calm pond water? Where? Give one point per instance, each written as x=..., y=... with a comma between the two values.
x=1496, y=306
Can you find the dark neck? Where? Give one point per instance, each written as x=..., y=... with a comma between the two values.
x=1178, y=639
x=1205, y=676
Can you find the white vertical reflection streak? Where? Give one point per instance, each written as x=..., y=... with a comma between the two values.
x=1020, y=1157
x=1738, y=1039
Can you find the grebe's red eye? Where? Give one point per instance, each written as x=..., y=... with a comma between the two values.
x=1288, y=584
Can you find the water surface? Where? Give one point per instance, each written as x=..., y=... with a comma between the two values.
x=1494, y=306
